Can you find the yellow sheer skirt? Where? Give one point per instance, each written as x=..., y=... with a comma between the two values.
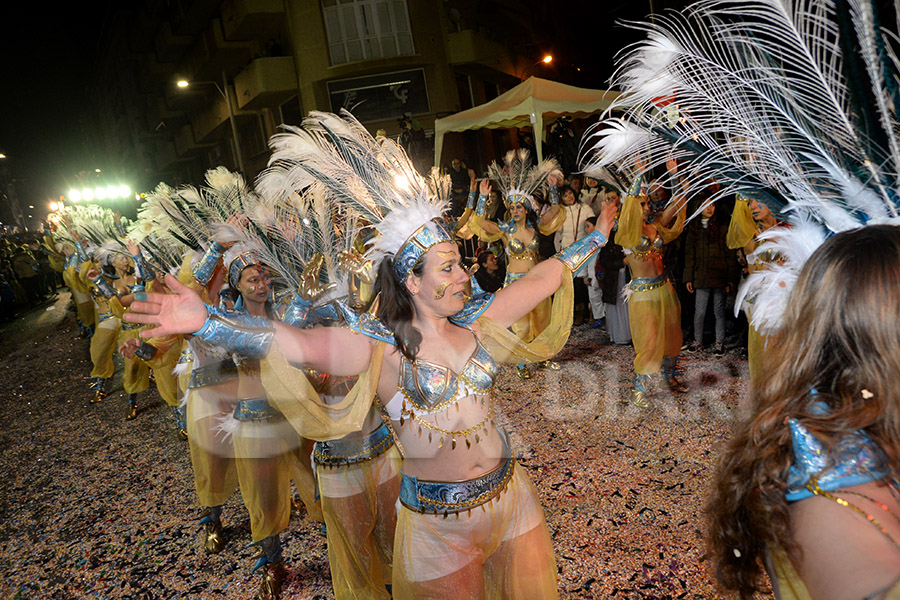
x=655, y=317
x=500, y=550
x=305, y=479
x=103, y=347
x=212, y=456
x=359, y=503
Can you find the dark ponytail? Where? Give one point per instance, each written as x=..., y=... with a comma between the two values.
x=396, y=307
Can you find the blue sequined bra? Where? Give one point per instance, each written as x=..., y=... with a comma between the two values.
x=431, y=388
x=517, y=249
x=426, y=389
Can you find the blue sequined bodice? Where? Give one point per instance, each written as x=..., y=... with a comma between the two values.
x=431, y=387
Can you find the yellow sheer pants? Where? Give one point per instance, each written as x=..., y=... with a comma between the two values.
x=103, y=347
x=265, y=456
x=212, y=456
x=655, y=317
x=359, y=503
x=501, y=550
x=136, y=374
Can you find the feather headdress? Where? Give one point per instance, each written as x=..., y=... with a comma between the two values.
x=790, y=103
x=518, y=178
x=372, y=179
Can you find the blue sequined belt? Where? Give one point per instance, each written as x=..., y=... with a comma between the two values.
x=510, y=277
x=213, y=374
x=126, y=326
x=642, y=284
x=355, y=450
x=455, y=497
x=104, y=316
x=255, y=409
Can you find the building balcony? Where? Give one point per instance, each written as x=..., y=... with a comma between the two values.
x=266, y=82
x=250, y=19
x=169, y=47
x=186, y=143
x=212, y=55
x=470, y=47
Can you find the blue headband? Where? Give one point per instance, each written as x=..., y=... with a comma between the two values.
x=250, y=258
x=417, y=245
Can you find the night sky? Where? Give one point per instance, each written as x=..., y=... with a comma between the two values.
x=49, y=57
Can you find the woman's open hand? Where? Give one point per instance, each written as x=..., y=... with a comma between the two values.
x=181, y=311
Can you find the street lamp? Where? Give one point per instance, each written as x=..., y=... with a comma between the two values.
x=184, y=83
x=548, y=58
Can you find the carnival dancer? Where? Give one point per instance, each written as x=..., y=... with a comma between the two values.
x=103, y=341
x=654, y=312
x=357, y=475
x=427, y=354
x=749, y=220
x=519, y=232
x=85, y=316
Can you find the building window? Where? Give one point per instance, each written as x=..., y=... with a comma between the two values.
x=366, y=29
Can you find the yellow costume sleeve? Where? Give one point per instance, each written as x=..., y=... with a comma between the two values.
x=553, y=225
x=75, y=281
x=505, y=346
x=742, y=227
x=289, y=391
x=670, y=233
x=85, y=267
x=475, y=224
x=631, y=223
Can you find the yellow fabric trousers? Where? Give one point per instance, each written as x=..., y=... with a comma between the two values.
x=655, y=317
x=501, y=550
x=265, y=456
x=136, y=374
x=359, y=503
x=103, y=346
x=212, y=457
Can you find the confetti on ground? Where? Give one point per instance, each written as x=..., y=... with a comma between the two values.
x=94, y=506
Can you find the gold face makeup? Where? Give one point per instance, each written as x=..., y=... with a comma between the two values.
x=440, y=290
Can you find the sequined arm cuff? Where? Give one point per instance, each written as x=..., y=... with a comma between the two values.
x=142, y=269
x=145, y=351
x=581, y=251
x=120, y=229
x=297, y=311
x=554, y=194
x=240, y=333
x=79, y=250
x=204, y=269
x=481, y=207
x=471, y=201
x=104, y=286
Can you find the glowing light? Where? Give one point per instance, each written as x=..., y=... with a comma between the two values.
x=113, y=192
x=402, y=182
x=54, y=206
x=74, y=195
x=2, y=155
x=547, y=59
x=30, y=206
x=182, y=83
x=124, y=191
x=87, y=195
x=96, y=170
x=100, y=193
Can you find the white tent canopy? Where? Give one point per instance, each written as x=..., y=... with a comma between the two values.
x=526, y=104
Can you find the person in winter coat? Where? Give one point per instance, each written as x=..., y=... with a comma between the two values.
x=710, y=270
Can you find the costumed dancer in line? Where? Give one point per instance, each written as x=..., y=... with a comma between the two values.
x=358, y=475
x=518, y=180
x=429, y=351
x=749, y=220
x=85, y=316
x=654, y=311
x=794, y=104
x=103, y=340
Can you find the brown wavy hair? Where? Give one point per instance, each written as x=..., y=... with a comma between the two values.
x=840, y=336
x=396, y=307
